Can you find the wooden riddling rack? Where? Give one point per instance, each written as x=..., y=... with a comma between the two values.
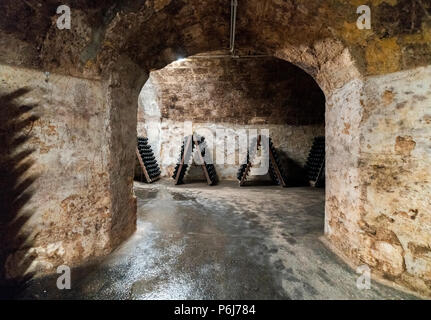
x=275, y=169
x=194, y=144
x=315, y=165
x=147, y=161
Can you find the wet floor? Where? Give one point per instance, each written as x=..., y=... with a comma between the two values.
x=223, y=242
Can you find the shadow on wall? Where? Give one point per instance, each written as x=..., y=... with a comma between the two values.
x=15, y=182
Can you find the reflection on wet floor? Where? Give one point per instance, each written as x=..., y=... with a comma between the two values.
x=222, y=242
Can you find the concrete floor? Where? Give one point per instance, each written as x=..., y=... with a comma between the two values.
x=221, y=242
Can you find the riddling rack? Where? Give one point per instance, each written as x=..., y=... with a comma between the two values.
x=194, y=144
x=275, y=169
x=147, y=161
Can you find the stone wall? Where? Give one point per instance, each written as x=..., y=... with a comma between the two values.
x=386, y=224
x=319, y=36
x=224, y=94
x=396, y=173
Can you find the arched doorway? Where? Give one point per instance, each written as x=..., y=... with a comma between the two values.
x=371, y=210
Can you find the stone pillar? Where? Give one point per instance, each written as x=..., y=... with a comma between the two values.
x=396, y=173
x=121, y=88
